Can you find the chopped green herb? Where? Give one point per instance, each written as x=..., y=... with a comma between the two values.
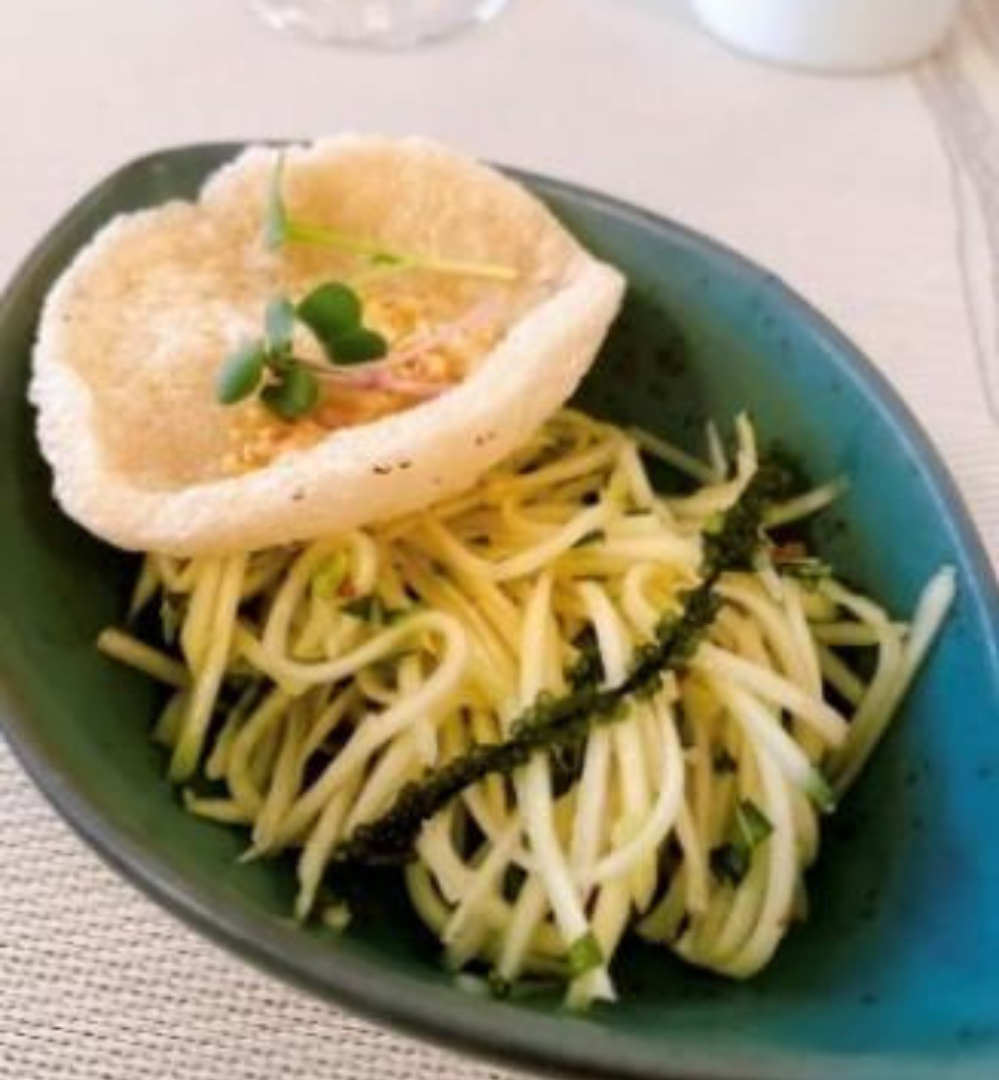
x=584, y=955
x=730, y=862
x=752, y=825
x=240, y=373
x=818, y=790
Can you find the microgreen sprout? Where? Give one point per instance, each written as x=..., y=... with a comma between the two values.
x=281, y=228
x=333, y=313
x=287, y=384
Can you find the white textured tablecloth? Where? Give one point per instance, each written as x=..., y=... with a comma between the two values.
x=877, y=198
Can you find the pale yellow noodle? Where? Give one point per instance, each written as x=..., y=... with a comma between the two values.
x=315, y=681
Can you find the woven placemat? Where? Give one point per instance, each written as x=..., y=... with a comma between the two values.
x=97, y=982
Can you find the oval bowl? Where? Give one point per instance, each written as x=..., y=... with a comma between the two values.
x=897, y=971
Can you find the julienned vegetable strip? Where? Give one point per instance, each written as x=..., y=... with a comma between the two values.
x=554, y=724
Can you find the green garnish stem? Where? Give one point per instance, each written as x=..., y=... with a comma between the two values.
x=305, y=233
x=281, y=228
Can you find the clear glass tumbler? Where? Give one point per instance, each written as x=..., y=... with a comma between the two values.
x=384, y=24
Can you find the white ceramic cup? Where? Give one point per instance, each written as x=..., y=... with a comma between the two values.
x=831, y=35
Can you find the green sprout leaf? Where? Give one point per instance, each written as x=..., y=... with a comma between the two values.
x=276, y=214
x=333, y=312
x=752, y=825
x=240, y=373
x=730, y=862
x=330, y=311
x=294, y=394
x=279, y=321
x=359, y=346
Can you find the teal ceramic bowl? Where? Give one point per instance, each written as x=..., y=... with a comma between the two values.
x=897, y=972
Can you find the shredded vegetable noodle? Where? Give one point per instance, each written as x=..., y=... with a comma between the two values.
x=590, y=716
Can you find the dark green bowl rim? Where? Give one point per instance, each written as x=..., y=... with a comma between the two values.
x=461, y=1022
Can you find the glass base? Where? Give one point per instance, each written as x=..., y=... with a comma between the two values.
x=381, y=24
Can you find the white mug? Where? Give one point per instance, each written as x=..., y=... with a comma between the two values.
x=833, y=35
